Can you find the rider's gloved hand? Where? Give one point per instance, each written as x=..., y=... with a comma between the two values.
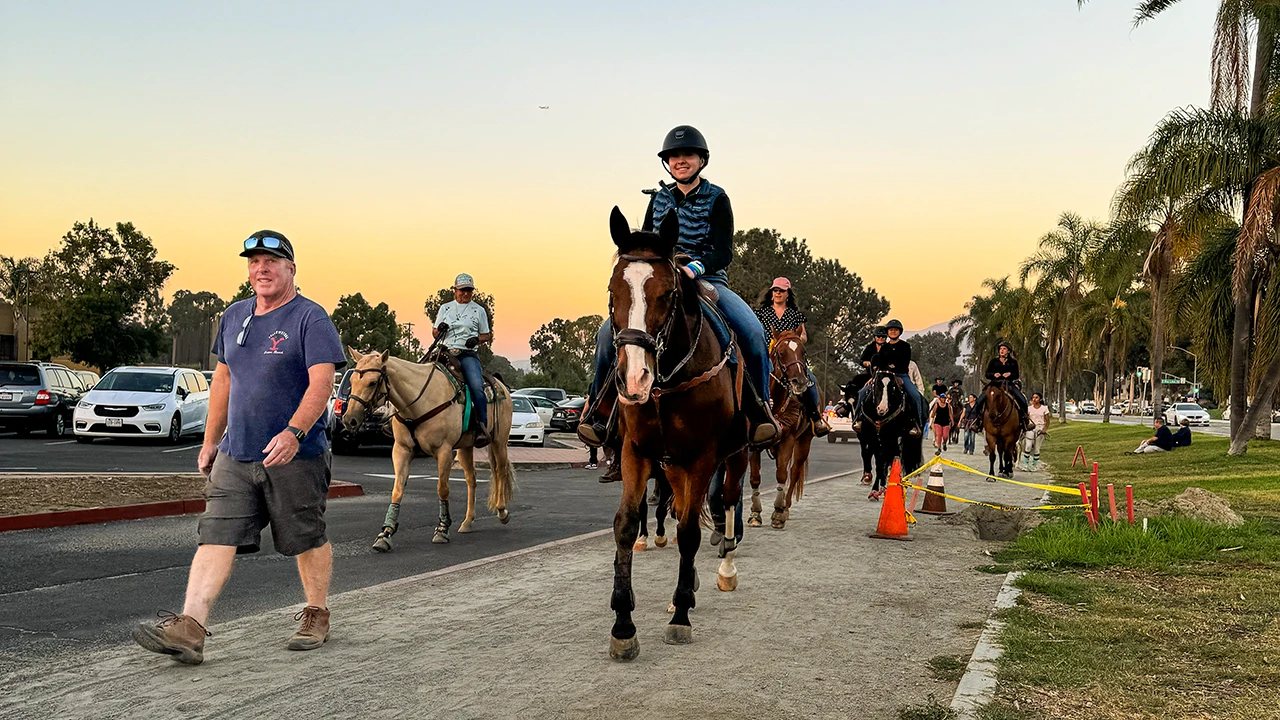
x=842, y=409
x=442, y=328
x=472, y=342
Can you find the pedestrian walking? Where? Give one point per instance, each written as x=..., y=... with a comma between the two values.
x=277, y=352
x=1035, y=437
x=970, y=422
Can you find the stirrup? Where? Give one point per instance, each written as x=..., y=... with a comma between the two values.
x=482, y=438
x=592, y=434
x=820, y=428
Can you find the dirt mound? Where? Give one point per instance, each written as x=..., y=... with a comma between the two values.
x=992, y=524
x=1195, y=503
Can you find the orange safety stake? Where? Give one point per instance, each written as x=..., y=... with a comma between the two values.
x=1128, y=501
x=1111, y=496
x=1080, y=456
x=893, y=514
x=1088, y=508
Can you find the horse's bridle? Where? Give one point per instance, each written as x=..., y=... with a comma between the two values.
x=379, y=385
x=1003, y=386
x=782, y=378
x=897, y=411
x=649, y=343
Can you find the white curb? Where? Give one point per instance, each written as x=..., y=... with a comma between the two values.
x=978, y=685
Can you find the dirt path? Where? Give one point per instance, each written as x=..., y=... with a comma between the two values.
x=826, y=623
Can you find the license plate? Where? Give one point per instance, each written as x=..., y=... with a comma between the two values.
x=115, y=422
x=6, y=397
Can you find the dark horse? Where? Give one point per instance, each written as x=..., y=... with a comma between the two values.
x=886, y=422
x=867, y=439
x=678, y=405
x=1002, y=426
x=787, y=383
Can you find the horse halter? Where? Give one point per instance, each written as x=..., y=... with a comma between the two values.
x=780, y=368
x=379, y=386
x=893, y=381
x=656, y=345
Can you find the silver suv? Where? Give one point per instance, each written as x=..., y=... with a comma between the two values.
x=38, y=396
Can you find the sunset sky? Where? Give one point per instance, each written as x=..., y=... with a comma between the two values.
x=397, y=144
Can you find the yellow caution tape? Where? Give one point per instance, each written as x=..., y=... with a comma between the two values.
x=1038, y=486
x=991, y=505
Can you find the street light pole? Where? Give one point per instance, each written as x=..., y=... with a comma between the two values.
x=1195, y=366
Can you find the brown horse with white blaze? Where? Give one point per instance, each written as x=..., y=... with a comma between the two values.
x=788, y=382
x=679, y=405
x=1002, y=427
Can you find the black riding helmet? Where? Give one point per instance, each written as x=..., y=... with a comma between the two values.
x=892, y=325
x=880, y=331
x=1004, y=344
x=685, y=137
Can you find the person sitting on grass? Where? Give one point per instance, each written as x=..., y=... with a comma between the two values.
x=1182, y=438
x=1162, y=442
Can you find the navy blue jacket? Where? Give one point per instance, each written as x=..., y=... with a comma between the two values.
x=706, y=225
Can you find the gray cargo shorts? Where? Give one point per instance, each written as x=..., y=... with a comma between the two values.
x=242, y=498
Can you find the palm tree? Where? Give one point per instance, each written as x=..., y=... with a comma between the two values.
x=1008, y=312
x=1059, y=270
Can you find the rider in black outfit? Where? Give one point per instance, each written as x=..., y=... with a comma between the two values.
x=1004, y=367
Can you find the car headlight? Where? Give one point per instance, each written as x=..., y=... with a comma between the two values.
x=534, y=424
x=153, y=408
x=84, y=404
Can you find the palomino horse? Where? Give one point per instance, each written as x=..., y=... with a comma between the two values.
x=429, y=416
x=885, y=418
x=787, y=383
x=679, y=404
x=1002, y=426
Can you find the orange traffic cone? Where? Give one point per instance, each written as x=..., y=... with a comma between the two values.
x=893, y=514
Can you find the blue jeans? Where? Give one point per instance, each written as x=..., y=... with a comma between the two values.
x=751, y=341
x=475, y=383
x=970, y=440
x=913, y=393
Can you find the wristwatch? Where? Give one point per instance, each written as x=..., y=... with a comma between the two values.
x=300, y=434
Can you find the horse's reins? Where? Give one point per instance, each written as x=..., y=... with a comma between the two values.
x=657, y=345
x=897, y=411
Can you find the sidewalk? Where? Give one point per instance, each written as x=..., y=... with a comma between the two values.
x=826, y=623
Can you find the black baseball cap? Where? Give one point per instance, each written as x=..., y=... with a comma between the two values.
x=268, y=241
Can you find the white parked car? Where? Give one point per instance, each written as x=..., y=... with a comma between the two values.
x=1072, y=409
x=1192, y=412
x=544, y=407
x=159, y=402
x=1087, y=407
x=526, y=425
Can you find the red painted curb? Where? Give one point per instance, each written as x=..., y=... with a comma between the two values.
x=62, y=518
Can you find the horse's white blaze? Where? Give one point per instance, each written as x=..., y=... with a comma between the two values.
x=883, y=407
x=792, y=344
x=638, y=381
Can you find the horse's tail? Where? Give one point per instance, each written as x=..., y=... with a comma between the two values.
x=504, y=475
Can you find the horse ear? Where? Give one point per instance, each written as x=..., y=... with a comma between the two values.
x=355, y=354
x=669, y=234
x=620, y=230
x=384, y=356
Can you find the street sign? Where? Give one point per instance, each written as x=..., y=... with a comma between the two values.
x=1173, y=381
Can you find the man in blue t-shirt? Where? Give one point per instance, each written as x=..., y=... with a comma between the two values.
x=265, y=452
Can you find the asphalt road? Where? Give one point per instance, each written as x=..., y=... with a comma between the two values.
x=73, y=589
x=1216, y=427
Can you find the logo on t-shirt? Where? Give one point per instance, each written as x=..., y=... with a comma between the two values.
x=276, y=337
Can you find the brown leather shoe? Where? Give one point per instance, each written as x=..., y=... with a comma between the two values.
x=177, y=635
x=613, y=473
x=482, y=438
x=314, y=630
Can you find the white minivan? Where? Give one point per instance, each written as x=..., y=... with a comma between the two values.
x=141, y=401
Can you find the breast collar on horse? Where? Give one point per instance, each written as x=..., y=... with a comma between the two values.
x=642, y=339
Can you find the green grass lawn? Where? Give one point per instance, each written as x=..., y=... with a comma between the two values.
x=1180, y=622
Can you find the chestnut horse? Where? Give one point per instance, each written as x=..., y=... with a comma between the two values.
x=1002, y=426
x=787, y=384
x=678, y=405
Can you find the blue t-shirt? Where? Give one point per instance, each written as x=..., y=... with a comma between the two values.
x=269, y=372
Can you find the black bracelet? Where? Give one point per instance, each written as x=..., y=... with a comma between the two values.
x=300, y=434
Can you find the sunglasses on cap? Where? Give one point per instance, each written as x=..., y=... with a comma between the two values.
x=267, y=241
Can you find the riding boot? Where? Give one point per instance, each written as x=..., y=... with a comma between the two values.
x=593, y=429
x=762, y=429
x=816, y=419
x=482, y=438
x=613, y=473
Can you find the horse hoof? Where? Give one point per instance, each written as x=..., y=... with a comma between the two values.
x=678, y=635
x=465, y=527
x=716, y=537
x=726, y=584
x=660, y=541
x=866, y=478
x=624, y=650
x=754, y=520
x=440, y=538
x=777, y=520
x=641, y=545
x=382, y=545
x=503, y=516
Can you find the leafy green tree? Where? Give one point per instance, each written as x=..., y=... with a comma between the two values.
x=191, y=310
x=840, y=310
x=935, y=354
x=513, y=376
x=18, y=280
x=104, y=309
x=244, y=292
x=366, y=327
x=563, y=351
